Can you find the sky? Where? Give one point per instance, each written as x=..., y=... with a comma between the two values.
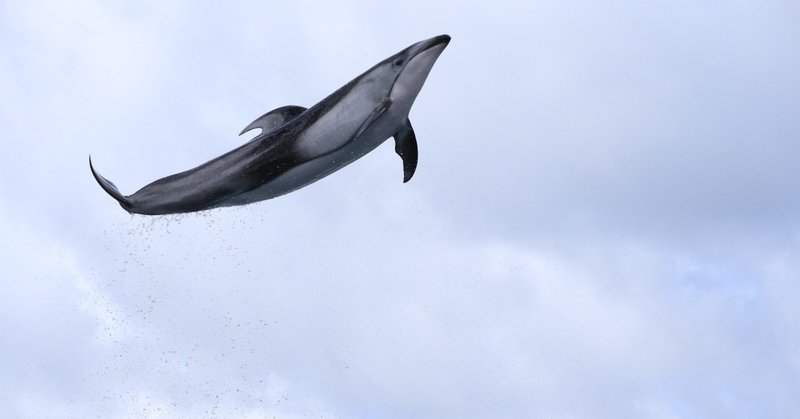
x=604, y=220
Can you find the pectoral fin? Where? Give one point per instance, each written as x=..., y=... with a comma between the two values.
x=378, y=111
x=274, y=118
x=405, y=144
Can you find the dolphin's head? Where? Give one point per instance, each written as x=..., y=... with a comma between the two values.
x=401, y=76
x=413, y=64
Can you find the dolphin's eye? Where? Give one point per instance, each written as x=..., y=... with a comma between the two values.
x=398, y=62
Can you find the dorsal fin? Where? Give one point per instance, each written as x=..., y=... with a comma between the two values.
x=405, y=144
x=274, y=118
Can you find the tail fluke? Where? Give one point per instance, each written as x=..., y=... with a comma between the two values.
x=110, y=188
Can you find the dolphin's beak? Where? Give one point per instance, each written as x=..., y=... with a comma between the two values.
x=441, y=40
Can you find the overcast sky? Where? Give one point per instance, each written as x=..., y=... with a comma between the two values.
x=604, y=220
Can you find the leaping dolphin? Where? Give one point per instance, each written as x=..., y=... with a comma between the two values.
x=299, y=146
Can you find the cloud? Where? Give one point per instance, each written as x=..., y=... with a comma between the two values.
x=602, y=222
x=484, y=328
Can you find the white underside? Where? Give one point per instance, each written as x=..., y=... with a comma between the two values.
x=317, y=168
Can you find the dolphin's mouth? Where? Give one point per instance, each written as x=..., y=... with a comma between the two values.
x=436, y=40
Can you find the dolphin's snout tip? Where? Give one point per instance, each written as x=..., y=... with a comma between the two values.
x=440, y=41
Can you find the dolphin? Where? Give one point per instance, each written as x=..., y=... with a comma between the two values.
x=299, y=146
